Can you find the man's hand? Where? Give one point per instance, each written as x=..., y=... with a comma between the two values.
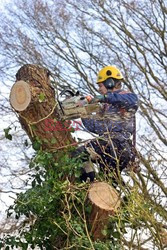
x=97, y=98
x=91, y=100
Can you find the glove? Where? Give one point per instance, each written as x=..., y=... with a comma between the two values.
x=84, y=100
x=89, y=98
x=98, y=98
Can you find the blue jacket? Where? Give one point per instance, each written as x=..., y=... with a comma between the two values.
x=118, y=111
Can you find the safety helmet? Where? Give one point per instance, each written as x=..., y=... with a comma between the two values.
x=109, y=72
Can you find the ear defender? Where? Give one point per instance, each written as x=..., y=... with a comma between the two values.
x=109, y=83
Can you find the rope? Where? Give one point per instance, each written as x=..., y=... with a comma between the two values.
x=35, y=122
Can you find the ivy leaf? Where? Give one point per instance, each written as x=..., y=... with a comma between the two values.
x=34, y=127
x=7, y=135
x=72, y=130
x=33, y=183
x=26, y=143
x=9, y=214
x=88, y=209
x=45, y=140
x=116, y=235
x=36, y=145
x=104, y=232
x=53, y=140
x=42, y=97
x=77, y=174
x=32, y=164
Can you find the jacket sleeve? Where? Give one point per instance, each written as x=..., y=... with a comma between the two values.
x=122, y=99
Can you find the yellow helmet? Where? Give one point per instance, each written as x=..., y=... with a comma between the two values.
x=109, y=72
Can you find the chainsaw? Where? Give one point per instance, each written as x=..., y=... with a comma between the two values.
x=76, y=106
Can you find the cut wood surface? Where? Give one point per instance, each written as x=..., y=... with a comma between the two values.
x=20, y=96
x=105, y=201
x=104, y=196
x=33, y=98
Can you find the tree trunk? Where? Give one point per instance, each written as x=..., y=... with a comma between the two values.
x=105, y=202
x=33, y=98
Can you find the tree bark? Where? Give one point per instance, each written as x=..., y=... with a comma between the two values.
x=33, y=98
x=105, y=202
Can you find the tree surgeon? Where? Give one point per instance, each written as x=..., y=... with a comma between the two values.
x=112, y=149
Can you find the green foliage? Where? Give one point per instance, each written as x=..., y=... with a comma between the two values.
x=37, y=144
x=42, y=97
x=7, y=135
x=55, y=208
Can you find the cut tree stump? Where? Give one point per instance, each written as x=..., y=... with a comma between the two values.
x=33, y=98
x=105, y=202
x=163, y=236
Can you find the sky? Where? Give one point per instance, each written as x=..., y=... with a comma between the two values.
x=11, y=157
x=3, y=2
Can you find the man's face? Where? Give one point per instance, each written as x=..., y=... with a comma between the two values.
x=102, y=89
